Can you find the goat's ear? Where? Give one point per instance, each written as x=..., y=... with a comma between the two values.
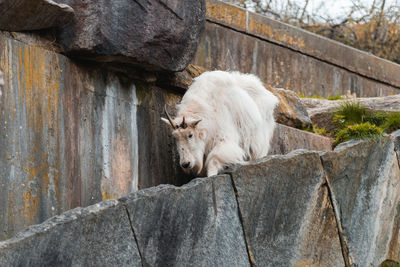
x=194, y=124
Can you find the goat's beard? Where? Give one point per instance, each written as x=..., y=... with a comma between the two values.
x=196, y=170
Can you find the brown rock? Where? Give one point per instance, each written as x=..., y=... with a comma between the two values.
x=290, y=111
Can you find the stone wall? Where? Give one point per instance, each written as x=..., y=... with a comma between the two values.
x=77, y=132
x=306, y=208
x=72, y=133
x=288, y=57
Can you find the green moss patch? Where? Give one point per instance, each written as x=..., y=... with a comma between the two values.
x=335, y=97
x=358, y=131
x=354, y=121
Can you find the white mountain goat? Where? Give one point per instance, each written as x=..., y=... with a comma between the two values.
x=223, y=118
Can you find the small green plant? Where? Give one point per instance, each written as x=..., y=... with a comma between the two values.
x=349, y=113
x=358, y=131
x=313, y=96
x=377, y=118
x=392, y=122
x=389, y=263
x=354, y=121
x=321, y=131
x=335, y=97
x=314, y=129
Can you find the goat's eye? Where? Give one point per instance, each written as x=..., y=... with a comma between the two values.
x=190, y=135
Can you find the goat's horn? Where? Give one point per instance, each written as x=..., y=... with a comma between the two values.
x=173, y=124
x=183, y=125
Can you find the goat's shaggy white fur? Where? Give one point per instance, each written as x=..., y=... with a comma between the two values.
x=237, y=121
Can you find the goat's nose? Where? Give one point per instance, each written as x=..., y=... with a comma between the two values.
x=185, y=165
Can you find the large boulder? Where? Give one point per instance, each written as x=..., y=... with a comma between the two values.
x=364, y=179
x=286, y=212
x=24, y=15
x=193, y=225
x=152, y=34
x=99, y=235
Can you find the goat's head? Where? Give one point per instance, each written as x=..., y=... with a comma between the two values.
x=190, y=140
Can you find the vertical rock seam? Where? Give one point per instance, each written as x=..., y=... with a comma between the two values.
x=343, y=240
x=251, y=260
x=134, y=234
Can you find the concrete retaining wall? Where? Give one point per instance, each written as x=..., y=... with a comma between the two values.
x=288, y=57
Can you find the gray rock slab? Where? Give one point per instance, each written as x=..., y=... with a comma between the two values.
x=153, y=34
x=286, y=212
x=396, y=139
x=364, y=179
x=24, y=15
x=99, y=235
x=193, y=225
x=287, y=139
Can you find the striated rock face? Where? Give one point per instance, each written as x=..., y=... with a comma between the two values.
x=98, y=235
x=25, y=15
x=287, y=217
x=338, y=208
x=364, y=179
x=155, y=35
x=194, y=225
x=396, y=137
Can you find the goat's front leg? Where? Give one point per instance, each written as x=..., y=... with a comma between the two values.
x=222, y=154
x=213, y=167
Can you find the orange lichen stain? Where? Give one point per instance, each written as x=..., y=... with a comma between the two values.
x=261, y=29
x=31, y=198
x=325, y=202
x=106, y=189
x=227, y=14
x=304, y=263
x=121, y=169
x=283, y=102
x=38, y=87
